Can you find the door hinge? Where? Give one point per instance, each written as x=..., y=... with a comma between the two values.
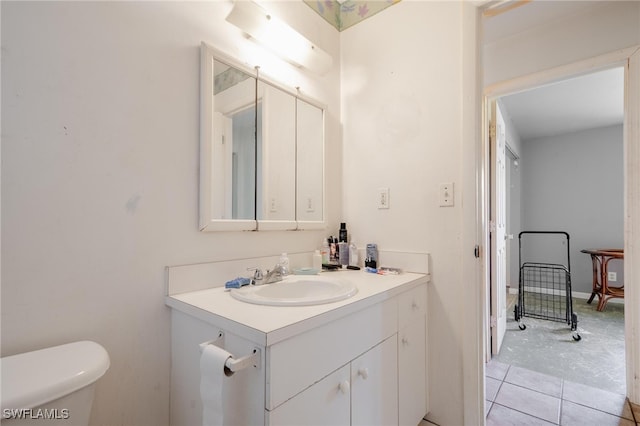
x=476, y=251
x=492, y=226
x=494, y=322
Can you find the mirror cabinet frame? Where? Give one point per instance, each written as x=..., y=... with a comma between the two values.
x=207, y=209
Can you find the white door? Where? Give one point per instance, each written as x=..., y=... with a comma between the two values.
x=326, y=403
x=498, y=230
x=374, y=385
x=412, y=374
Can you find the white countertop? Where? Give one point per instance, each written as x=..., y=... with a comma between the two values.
x=266, y=325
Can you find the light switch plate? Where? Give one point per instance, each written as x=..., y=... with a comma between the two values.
x=445, y=194
x=383, y=198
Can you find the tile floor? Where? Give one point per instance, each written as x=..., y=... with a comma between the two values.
x=548, y=347
x=518, y=396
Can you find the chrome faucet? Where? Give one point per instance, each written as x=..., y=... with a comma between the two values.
x=257, y=276
x=273, y=276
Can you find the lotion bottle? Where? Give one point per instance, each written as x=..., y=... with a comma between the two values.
x=343, y=253
x=353, y=254
x=324, y=251
x=317, y=260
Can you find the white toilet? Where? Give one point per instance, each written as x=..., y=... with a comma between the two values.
x=52, y=386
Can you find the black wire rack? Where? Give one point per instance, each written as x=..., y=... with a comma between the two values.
x=544, y=289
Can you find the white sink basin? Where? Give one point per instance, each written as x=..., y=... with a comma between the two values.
x=297, y=290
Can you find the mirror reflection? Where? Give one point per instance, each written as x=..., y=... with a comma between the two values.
x=310, y=162
x=278, y=182
x=234, y=145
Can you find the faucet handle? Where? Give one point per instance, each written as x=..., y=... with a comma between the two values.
x=257, y=275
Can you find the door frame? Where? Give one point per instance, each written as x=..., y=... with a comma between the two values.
x=629, y=58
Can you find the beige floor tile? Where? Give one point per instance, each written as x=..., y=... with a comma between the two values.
x=497, y=370
x=579, y=415
x=598, y=399
x=536, y=381
x=501, y=416
x=530, y=402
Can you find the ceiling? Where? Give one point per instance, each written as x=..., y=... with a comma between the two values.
x=585, y=102
x=581, y=103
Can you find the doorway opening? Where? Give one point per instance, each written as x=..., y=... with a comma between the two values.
x=564, y=173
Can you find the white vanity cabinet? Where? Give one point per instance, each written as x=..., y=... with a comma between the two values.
x=360, y=362
x=327, y=403
x=412, y=357
x=374, y=385
x=363, y=392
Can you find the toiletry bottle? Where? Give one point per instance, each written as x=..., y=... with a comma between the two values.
x=284, y=263
x=342, y=235
x=332, y=250
x=324, y=251
x=371, y=259
x=317, y=260
x=353, y=254
x=343, y=253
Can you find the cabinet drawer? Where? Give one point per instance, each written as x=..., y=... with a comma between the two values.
x=412, y=305
x=296, y=363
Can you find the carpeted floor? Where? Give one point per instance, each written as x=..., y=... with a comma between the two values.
x=546, y=346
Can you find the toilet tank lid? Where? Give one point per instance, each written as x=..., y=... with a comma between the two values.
x=33, y=378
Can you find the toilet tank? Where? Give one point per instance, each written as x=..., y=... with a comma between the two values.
x=62, y=373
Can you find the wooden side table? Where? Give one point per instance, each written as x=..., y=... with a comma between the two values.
x=600, y=259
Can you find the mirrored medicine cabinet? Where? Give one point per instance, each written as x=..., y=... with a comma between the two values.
x=261, y=151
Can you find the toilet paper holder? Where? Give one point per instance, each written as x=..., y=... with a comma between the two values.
x=234, y=364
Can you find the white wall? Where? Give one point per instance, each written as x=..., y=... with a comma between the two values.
x=100, y=141
x=402, y=102
x=574, y=183
x=597, y=30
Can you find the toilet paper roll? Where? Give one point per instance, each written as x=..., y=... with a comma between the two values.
x=212, y=383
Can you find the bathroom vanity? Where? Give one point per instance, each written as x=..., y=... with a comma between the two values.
x=362, y=360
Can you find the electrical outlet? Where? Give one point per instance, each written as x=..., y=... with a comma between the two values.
x=273, y=206
x=310, y=208
x=383, y=198
x=445, y=194
x=612, y=277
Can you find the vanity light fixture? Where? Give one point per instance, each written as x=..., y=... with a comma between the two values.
x=279, y=37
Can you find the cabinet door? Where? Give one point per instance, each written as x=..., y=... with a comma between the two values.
x=374, y=385
x=325, y=403
x=412, y=388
